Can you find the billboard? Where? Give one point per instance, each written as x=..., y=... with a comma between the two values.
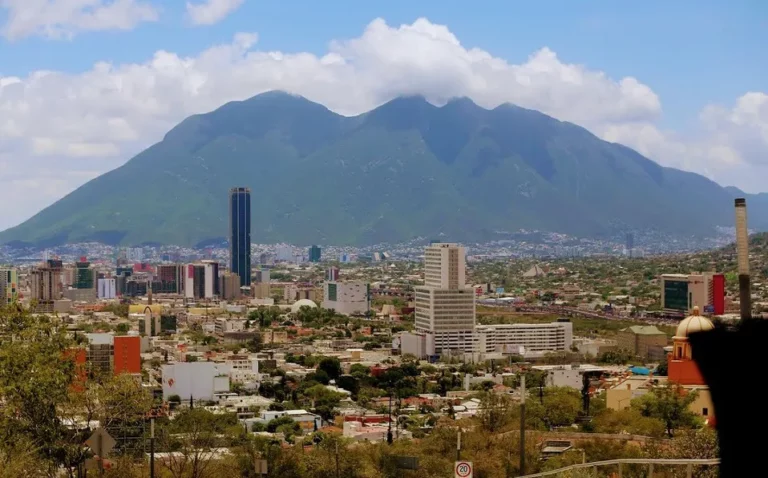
x=499, y=290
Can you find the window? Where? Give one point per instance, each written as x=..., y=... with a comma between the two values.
x=705, y=411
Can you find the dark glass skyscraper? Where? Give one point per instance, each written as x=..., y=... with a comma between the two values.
x=240, y=233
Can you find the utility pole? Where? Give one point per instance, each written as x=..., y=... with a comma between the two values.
x=99, y=445
x=389, y=431
x=522, y=426
x=152, y=448
x=338, y=472
x=458, y=446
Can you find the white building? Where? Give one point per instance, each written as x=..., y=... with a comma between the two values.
x=199, y=380
x=211, y=279
x=348, y=298
x=222, y=325
x=106, y=289
x=243, y=369
x=445, y=306
x=507, y=338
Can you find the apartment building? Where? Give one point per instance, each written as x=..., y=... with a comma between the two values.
x=445, y=306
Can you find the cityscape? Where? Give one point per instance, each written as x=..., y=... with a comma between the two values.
x=402, y=257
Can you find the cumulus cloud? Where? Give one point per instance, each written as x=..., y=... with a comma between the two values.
x=209, y=12
x=64, y=18
x=729, y=145
x=91, y=122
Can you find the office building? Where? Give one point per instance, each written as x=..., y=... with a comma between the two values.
x=100, y=353
x=680, y=293
x=171, y=277
x=9, y=286
x=524, y=338
x=211, y=279
x=445, y=306
x=262, y=275
x=348, y=298
x=84, y=275
x=107, y=288
x=229, y=286
x=314, y=254
x=202, y=280
x=45, y=285
x=645, y=341
x=127, y=354
x=240, y=234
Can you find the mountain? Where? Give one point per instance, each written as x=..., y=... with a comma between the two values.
x=404, y=169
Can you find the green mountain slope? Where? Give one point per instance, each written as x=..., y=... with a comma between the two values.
x=403, y=170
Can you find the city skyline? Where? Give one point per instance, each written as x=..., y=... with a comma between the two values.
x=633, y=90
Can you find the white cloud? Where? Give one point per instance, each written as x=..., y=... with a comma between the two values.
x=64, y=18
x=209, y=12
x=70, y=124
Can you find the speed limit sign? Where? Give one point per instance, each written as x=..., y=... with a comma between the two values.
x=463, y=469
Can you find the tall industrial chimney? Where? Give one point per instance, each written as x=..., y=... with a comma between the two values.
x=742, y=251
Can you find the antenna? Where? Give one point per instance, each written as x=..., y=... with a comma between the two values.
x=742, y=251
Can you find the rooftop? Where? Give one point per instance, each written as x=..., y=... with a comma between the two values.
x=644, y=330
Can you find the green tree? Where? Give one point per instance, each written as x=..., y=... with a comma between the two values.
x=670, y=404
x=331, y=366
x=37, y=370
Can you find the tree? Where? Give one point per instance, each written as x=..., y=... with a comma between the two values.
x=193, y=438
x=331, y=366
x=496, y=411
x=324, y=401
x=628, y=420
x=37, y=369
x=561, y=407
x=670, y=404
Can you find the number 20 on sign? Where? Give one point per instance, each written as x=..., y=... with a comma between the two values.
x=463, y=469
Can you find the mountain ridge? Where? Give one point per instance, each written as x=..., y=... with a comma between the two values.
x=404, y=169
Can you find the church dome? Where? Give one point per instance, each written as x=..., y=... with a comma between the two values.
x=693, y=323
x=301, y=303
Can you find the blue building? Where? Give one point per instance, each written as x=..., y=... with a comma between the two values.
x=240, y=233
x=314, y=254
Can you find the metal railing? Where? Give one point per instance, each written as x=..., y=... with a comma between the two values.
x=688, y=463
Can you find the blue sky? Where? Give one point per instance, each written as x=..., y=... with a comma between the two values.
x=700, y=101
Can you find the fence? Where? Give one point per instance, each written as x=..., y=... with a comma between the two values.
x=593, y=467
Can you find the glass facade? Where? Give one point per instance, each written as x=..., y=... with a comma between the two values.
x=676, y=295
x=240, y=233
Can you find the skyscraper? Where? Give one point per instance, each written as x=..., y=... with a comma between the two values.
x=445, y=306
x=314, y=254
x=240, y=233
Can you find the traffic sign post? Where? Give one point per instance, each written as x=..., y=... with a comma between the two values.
x=101, y=443
x=463, y=469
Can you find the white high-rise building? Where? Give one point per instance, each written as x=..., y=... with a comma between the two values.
x=445, y=306
x=106, y=288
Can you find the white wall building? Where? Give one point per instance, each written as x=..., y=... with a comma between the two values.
x=445, y=306
x=348, y=298
x=106, y=289
x=228, y=325
x=199, y=380
x=554, y=337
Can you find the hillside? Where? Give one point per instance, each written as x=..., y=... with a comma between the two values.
x=402, y=170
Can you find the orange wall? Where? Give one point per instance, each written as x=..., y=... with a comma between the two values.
x=684, y=372
x=127, y=354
